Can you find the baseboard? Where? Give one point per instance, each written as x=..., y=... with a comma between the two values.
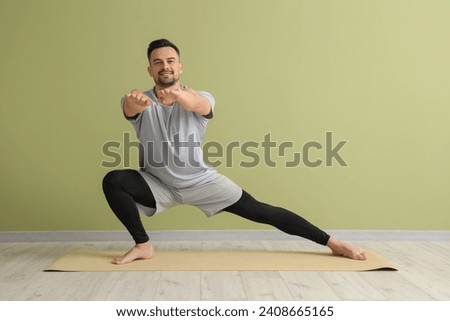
x=218, y=235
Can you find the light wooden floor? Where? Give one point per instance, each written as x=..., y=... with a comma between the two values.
x=424, y=274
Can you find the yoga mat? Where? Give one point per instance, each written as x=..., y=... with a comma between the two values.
x=89, y=260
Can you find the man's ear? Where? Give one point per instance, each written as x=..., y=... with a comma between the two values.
x=149, y=72
x=181, y=68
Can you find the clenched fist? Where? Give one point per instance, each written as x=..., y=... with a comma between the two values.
x=136, y=102
x=168, y=96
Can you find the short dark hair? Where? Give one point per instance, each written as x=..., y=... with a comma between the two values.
x=160, y=43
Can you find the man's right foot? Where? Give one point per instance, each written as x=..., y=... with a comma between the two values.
x=141, y=251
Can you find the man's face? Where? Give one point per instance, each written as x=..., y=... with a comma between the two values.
x=165, y=67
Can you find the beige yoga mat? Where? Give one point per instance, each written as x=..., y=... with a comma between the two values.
x=89, y=260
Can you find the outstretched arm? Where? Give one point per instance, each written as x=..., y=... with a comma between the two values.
x=188, y=98
x=135, y=103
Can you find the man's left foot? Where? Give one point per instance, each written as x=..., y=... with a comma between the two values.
x=340, y=248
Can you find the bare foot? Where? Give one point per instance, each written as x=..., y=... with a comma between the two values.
x=340, y=248
x=142, y=251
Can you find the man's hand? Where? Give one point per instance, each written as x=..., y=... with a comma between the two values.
x=187, y=98
x=135, y=102
x=168, y=96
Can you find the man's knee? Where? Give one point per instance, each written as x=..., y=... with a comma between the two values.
x=114, y=178
x=109, y=180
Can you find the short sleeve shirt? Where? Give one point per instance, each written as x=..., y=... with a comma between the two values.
x=170, y=141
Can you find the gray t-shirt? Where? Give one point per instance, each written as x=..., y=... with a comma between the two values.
x=170, y=142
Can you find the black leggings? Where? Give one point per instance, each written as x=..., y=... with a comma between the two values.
x=123, y=188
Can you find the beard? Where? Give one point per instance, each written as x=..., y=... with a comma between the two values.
x=166, y=80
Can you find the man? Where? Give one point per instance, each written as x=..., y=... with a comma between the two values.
x=170, y=122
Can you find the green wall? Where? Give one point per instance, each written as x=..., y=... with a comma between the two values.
x=374, y=73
